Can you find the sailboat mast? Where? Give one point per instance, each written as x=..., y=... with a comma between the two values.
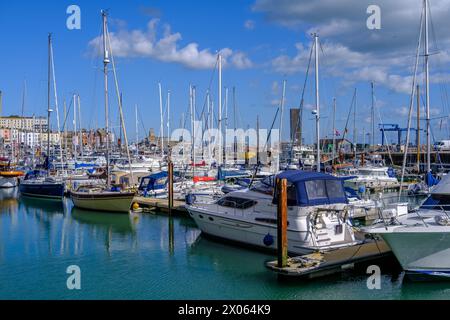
x=105, y=74
x=316, y=44
x=220, y=154
x=427, y=88
x=161, y=128
x=75, y=131
x=137, y=129
x=373, y=117
x=283, y=99
x=80, y=128
x=48, y=94
x=418, y=128
x=334, y=133
x=354, y=126
x=168, y=119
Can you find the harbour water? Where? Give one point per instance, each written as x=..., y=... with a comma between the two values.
x=149, y=256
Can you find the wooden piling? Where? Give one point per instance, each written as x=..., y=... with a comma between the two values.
x=282, y=248
x=170, y=197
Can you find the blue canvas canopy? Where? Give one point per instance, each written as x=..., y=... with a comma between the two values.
x=307, y=188
x=35, y=174
x=150, y=182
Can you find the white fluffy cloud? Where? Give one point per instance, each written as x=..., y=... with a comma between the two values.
x=167, y=48
x=353, y=52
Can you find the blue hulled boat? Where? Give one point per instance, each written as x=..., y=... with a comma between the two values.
x=38, y=184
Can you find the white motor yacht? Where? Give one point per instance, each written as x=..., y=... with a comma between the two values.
x=420, y=240
x=318, y=212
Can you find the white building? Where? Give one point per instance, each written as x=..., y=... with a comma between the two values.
x=24, y=123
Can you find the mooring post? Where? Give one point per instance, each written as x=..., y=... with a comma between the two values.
x=282, y=248
x=170, y=169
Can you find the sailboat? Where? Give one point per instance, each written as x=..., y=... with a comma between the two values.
x=105, y=198
x=39, y=183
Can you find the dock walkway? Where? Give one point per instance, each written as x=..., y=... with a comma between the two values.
x=161, y=205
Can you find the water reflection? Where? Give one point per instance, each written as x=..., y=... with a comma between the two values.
x=41, y=205
x=108, y=227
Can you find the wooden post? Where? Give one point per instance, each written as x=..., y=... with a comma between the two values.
x=282, y=248
x=170, y=165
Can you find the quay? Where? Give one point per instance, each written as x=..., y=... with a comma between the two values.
x=320, y=264
x=162, y=205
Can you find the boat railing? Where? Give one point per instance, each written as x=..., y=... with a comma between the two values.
x=436, y=207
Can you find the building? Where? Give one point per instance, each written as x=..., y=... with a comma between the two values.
x=37, y=124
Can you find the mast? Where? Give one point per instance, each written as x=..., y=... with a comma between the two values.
x=427, y=88
x=234, y=123
x=418, y=129
x=65, y=126
x=257, y=140
x=137, y=129
x=192, y=125
x=106, y=61
x=226, y=124
x=80, y=142
x=48, y=95
x=280, y=138
x=316, y=44
x=354, y=126
x=334, y=132
x=193, y=130
x=75, y=131
x=373, y=117
x=219, y=162
x=168, y=119
x=161, y=127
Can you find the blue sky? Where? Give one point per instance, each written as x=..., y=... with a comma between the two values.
x=266, y=41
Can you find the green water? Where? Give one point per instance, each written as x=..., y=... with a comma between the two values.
x=152, y=257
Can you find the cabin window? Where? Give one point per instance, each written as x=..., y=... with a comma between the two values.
x=334, y=189
x=235, y=202
x=291, y=195
x=316, y=189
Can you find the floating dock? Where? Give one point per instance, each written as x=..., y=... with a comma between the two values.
x=162, y=205
x=321, y=264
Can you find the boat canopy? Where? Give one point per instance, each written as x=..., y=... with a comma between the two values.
x=155, y=181
x=35, y=174
x=312, y=188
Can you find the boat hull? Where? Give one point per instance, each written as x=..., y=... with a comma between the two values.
x=53, y=191
x=253, y=235
x=105, y=202
x=421, y=252
x=8, y=182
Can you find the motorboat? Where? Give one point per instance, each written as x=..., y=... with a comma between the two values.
x=420, y=239
x=372, y=178
x=9, y=178
x=318, y=211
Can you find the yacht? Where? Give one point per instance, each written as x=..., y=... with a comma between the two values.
x=317, y=214
x=39, y=184
x=372, y=178
x=420, y=240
